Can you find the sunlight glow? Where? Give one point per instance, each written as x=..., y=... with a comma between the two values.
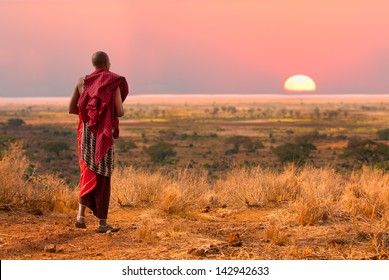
x=300, y=83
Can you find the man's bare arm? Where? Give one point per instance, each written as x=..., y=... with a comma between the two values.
x=119, y=103
x=73, y=108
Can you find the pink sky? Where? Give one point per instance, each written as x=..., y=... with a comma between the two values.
x=195, y=46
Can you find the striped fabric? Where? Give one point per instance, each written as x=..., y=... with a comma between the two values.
x=87, y=176
x=88, y=145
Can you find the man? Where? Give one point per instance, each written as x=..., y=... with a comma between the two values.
x=98, y=100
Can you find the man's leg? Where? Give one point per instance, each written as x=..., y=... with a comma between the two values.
x=80, y=222
x=102, y=197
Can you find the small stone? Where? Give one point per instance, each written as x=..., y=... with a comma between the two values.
x=237, y=244
x=198, y=252
x=36, y=212
x=233, y=238
x=51, y=248
x=211, y=249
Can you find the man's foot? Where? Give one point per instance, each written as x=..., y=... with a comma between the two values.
x=80, y=224
x=107, y=228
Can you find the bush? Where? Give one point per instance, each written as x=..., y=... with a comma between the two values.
x=383, y=134
x=366, y=151
x=125, y=145
x=56, y=147
x=15, y=122
x=244, y=141
x=296, y=153
x=19, y=187
x=5, y=140
x=160, y=152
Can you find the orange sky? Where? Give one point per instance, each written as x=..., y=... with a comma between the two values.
x=195, y=46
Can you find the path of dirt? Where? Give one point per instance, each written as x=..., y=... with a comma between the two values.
x=144, y=234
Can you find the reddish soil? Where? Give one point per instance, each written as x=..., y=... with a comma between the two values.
x=145, y=234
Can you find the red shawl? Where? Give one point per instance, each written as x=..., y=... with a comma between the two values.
x=97, y=107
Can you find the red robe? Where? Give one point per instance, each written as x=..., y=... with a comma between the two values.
x=97, y=108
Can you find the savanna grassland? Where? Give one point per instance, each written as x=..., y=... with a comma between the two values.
x=204, y=177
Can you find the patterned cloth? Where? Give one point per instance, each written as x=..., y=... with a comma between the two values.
x=97, y=108
x=87, y=176
x=95, y=189
x=88, y=144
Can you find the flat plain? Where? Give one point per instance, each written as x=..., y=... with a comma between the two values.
x=204, y=177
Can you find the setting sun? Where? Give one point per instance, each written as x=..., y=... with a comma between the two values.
x=300, y=83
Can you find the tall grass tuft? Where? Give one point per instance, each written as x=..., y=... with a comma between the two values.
x=367, y=193
x=43, y=192
x=13, y=165
x=319, y=195
x=258, y=187
x=136, y=187
x=171, y=194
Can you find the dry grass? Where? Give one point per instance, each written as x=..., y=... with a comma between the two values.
x=318, y=196
x=306, y=196
x=367, y=194
x=36, y=193
x=257, y=187
x=172, y=195
x=294, y=213
x=13, y=165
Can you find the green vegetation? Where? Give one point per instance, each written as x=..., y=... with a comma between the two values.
x=214, y=136
x=296, y=153
x=160, y=152
x=56, y=147
x=15, y=122
x=365, y=151
x=383, y=134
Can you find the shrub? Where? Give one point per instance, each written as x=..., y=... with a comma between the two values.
x=160, y=152
x=172, y=195
x=383, y=134
x=19, y=187
x=366, y=151
x=290, y=152
x=56, y=147
x=15, y=122
x=244, y=141
x=12, y=166
x=124, y=145
x=5, y=139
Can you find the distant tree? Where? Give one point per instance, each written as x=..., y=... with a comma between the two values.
x=160, y=152
x=383, y=134
x=316, y=113
x=232, y=109
x=237, y=142
x=56, y=147
x=4, y=127
x=124, y=144
x=15, y=123
x=215, y=111
x=167, y=134
x=294, y=152
x=311, y=136
x=245, y=141
x=254, y=145
x=366, y=151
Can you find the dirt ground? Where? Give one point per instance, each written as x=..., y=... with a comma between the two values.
x=212, y=234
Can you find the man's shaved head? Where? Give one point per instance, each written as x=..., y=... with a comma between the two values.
x=100, y=59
